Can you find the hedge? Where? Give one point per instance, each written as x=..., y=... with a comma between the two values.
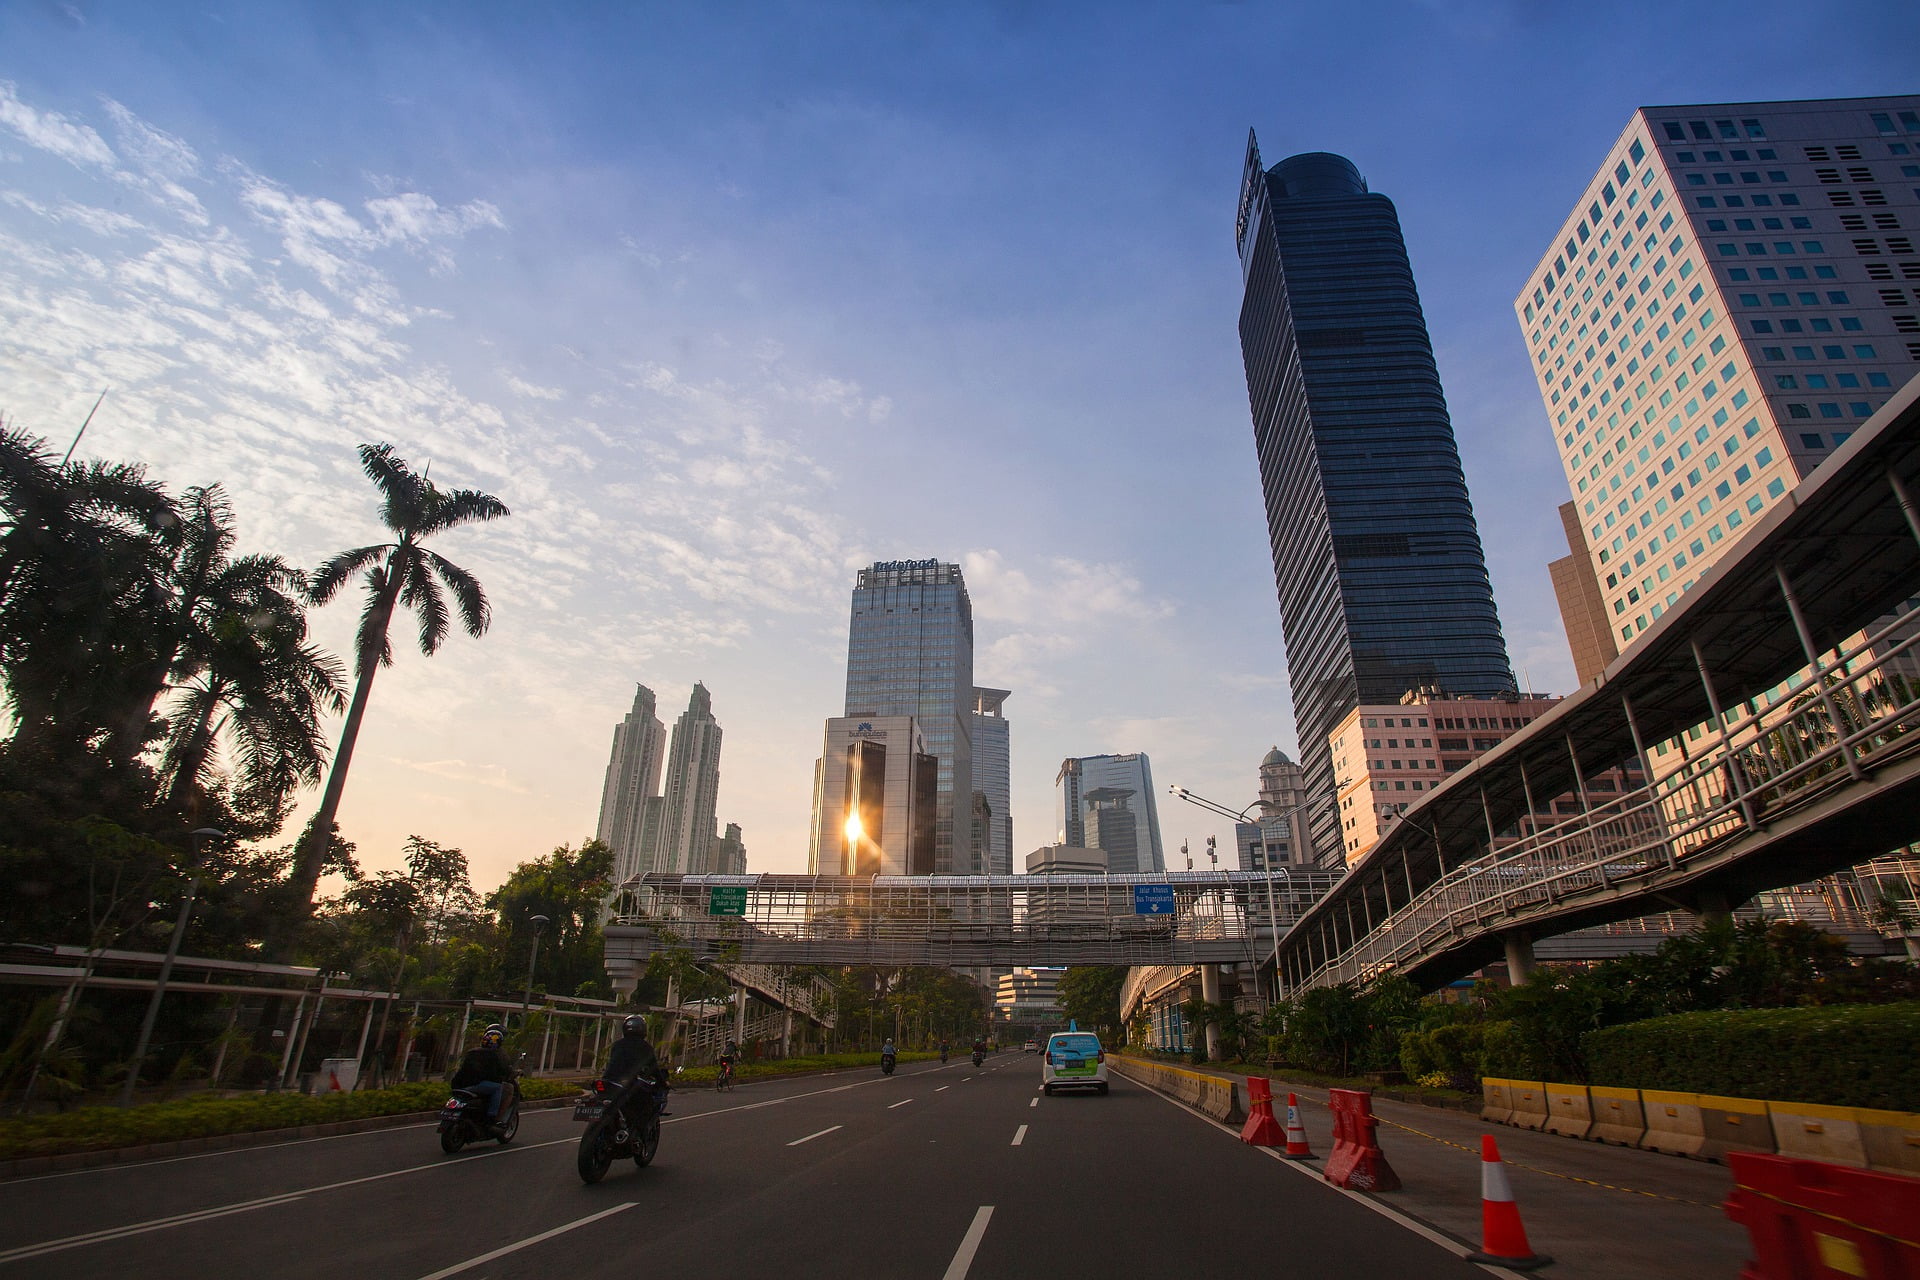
x=106, y=1128
x=1839, y=1055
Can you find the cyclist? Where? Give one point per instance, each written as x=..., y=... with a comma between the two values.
x=485, y=1071
x=632, y=1055
x=728, y=1056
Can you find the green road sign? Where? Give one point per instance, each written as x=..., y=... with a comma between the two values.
x=727, y=900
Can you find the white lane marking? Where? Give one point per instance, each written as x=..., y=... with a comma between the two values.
x=903, y=1102
x=158, y=1224
x=518, y=1245
x=942, y=1089
x=810, y=1137
x=969, y=1245
x=1019, y=1135
x=1033, y=1102
x=1419, y=1228
x=264, y=1202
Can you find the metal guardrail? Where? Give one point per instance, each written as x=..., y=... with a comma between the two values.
x=1855, y=712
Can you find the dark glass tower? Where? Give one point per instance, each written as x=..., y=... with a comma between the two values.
x=1383, y=586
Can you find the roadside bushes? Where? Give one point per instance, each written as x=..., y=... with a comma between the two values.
x=1452, y=1051
x=1839, y=1055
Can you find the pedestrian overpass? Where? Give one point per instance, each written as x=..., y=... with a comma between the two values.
x=1175, y=917
x=1774, y=707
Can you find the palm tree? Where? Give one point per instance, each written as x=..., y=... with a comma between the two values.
x=402, y=572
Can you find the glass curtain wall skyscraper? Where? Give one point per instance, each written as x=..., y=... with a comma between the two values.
x=910, y=653
x=1382, y=582
x=992, y=776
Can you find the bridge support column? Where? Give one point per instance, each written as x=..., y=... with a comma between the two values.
x=1210, y=992
x=1520, y=963
x=1713, y=906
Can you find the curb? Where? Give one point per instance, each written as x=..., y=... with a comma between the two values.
x=27, y=1166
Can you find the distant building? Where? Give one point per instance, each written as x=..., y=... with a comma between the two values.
x=910, y=653
x=1129, y=825
x=1280, y=836
x=1029, y=996
x=1062, y=859
x=633, y=778
x=876, y=799
x=729, y=856
x=684, y=840
x=992, y=776
x=1583, y=610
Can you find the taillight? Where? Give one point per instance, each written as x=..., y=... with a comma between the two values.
x=1100, y=1056
x=599, y=1086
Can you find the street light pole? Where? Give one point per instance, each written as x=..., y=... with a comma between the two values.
x=539, y=924
x=166, y=966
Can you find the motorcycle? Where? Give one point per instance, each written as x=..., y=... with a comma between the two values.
x=886, y=1064
x=943, y=1055
x=612, y=1132
x=464, y=1117
x=978, y=1057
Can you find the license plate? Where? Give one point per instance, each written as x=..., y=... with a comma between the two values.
x=589, y=1110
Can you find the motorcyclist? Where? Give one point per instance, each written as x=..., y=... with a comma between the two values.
x=485, y=1071
x=943, y=1049
x=886, y=1050
x=632, y=1055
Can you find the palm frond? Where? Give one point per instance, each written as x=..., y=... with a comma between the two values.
x=454, y=507
x=403, y=494
x=329, y=577
x=475, y=612
x=422, y=595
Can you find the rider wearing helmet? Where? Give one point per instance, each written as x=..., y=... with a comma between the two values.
x=633, y=1055
x=485, y=1071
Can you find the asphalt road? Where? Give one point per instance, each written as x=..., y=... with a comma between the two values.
x=943, y=1172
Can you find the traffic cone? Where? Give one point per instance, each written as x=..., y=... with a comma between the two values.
x=1297, y=1148
x=1503, y=1240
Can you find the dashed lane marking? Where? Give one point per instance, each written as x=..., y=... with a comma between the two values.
x=969, y=1244
x=518, y=1245
x=903, y=1102
x=810, y=1137
x=1019, y=1135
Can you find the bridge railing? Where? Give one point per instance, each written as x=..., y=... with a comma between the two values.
x=1860, y=708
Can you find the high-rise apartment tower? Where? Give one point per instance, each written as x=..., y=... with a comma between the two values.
x=685, y=838
x=1734, y=292
x=910, y=653
x=1382, y=582
x=633, y=778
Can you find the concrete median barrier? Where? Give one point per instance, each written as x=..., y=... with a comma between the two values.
x=1805, y=1131
x=1211, y=1095
x=1529, y=1103
x=1673, y=1122
x=1569, y=1110
x=1734, y=1124
x=1619, y=1117
x=1496, y=1100
x=1892, y=1140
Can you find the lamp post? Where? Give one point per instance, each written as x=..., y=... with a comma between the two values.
x=539, y=924
x=199, y=836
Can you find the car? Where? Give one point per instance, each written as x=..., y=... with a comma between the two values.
x=1074, y=1060
x=1031, y=1046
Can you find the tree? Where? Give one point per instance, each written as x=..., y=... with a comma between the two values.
x=567, y=886
x=1090, y=995
x=398, y=573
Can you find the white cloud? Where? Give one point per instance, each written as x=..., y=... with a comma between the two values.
x=52, y=132
x=532, y=391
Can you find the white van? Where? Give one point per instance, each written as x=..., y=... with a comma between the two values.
x=1074, y=1060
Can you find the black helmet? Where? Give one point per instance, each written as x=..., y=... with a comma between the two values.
x=634, y=1024
x=493, y=1035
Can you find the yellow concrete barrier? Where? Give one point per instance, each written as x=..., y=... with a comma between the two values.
x=1211, y=1095
x=1529, y=1103
x=1618, y=1115
x=1734, y=1124
x=1496, y=1101
x=1807, y=1131
x=1569, y=1110
x=1673, y=1122
x=1892, y=1139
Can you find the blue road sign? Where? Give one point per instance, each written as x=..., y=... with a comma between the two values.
x=1153, y=899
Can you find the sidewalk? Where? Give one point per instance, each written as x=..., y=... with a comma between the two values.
x=1596, y=1210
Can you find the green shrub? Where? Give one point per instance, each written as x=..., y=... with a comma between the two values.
x=1453, y=1050
x=1840, y=1055
x=1507, y=1052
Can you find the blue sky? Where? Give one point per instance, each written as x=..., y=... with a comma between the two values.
x=728, y=300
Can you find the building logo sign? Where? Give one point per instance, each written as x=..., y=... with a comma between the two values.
x=895, y=566
x=865, y=729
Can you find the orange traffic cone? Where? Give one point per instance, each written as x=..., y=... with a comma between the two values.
x=1503, y=1240
x=1297, y=1148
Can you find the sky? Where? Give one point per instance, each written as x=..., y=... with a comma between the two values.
x=728, y=300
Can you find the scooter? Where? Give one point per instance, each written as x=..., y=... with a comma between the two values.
x=978, y=1057
x=943, y=1055
x=612, y=1133
x=886, y=1064
x=464, y=1117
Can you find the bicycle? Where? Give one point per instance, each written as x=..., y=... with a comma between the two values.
x=724, y=1079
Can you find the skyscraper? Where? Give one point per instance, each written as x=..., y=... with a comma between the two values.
x=875, y=799
x=993, y=776
x=686, y=830
x=1120, y=789
x=1382, y=583
x=910, y=653
x=633, y=777
x=1734, y=292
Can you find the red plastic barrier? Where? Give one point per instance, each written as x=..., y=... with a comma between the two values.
x=1261, y=1129
x=1809, y=1219
x=1357, y=1162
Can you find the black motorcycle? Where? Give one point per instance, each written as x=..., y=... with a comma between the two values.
x=978, y=1057
x=943, y=1055
x=464, y=1118
x=614, y=1132
x=886, y=1064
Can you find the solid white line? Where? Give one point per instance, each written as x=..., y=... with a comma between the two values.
x=1033, y=1102
x=969, y=1245
x=116, y=1233
x=810, y=1137
x=518, y=1245
x=903, y=1102
x=1019, y=1135
x=942, y=1089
